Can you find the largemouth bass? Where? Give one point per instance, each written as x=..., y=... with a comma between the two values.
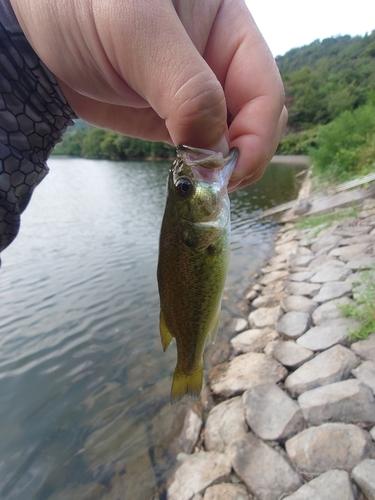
x=193, y=259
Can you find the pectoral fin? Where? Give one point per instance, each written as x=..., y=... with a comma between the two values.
x=215, y=325
x=165, y=334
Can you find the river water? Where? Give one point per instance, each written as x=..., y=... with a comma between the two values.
x=84, y=384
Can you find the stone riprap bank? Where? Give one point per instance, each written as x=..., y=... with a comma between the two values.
x=297, y=413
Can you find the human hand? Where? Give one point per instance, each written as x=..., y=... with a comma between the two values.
x=197, y=73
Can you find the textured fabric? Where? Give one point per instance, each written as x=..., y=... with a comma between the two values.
x=33, y=117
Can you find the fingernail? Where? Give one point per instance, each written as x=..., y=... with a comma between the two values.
x=221, y=147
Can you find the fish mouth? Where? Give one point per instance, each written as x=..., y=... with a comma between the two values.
x=209, y=166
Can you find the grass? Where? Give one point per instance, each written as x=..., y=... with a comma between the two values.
x=325, y=220
x=362, y=309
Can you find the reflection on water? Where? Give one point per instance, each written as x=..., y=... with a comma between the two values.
x=84, y=384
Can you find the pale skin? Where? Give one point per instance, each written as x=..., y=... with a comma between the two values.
x=183, y=71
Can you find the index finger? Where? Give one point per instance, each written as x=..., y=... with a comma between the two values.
x=253, y=88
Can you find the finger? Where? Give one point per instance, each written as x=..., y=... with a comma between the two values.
x=142, y=123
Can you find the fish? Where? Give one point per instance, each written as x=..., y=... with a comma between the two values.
x=193, y=259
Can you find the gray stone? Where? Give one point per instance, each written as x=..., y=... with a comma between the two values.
x=265, y=472
x=333, y=290
x=350, y=252
x=330, y=273
x=348, y=401
x=365, y=348
x=364, y=262
x=278, y=266
x=274, y=288
x=301, y=276
x=244, y=372
x=288, y=236
x=364, y=475
x=273, y=276
x=351, y=231
x=321, y=260
x=329, y=310
x=265, y=316
x=198, y=496
x=251, y=295
x=190, y=431
x=253, y=340
x=260, y=403
x=372, y=433
x=293, y=324
x=295, y=260
x=364, y=238
x=287, y=248
x=333, y=331
x=225, y=422
x=226, y=491
x=269, y=300
x=365, y=372
x=329, y=446
x=196, y=472
x=288, y=353
x=327, y=367
x=327, y=243
x=332, y=485
x=240, y=325
x=298, y=303
x=310, y=289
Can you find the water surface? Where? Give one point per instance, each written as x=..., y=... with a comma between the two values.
x=84, y=384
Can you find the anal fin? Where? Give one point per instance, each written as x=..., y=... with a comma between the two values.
x=165, y=334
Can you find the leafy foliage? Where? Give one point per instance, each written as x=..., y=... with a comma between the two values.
x=91, y=142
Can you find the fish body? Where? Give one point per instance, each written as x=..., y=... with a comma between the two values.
x=193, y=259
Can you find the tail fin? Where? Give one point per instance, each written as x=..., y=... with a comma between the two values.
x=189, y=384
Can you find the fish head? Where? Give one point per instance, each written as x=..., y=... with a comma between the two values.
x=198, y=182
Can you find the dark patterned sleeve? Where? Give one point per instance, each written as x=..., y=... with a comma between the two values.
x=33, y=117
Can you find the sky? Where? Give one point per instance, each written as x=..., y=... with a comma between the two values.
x=287, y=24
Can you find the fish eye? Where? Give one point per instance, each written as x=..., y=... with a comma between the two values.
x=184, y=187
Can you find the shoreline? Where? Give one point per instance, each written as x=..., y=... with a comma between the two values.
x=295, y=393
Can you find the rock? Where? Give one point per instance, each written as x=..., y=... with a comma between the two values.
x=244, y=372
x=250, y=296
x=322, y=260
x=264, y=471
x=279, y=266
x=310, y=289
x=327, y=243
x=365, y=372
x=301, y=276
x=364, y=475
x=350, y=252
x=196, y=472
x=293, y=324
x=225, y=422
x=364, y=262
x=332, y=485
x=327, y=367
x=288, y=236
x=190, y=431
x=226, y=491
x=372, y=433
x=269, y=300
x=274, y=288
x=298, y=303
x=333, y=290
x=333, y=331
x=330, y=273
x=329, y=310
x=328, y=446
x=265, y=316
x=295, y=260
x=351, y=231
x=257, y=287
x=271, y=413
x=273, y=276
x=287, y=248
x=348, y=401
x=365, y=348
x=288, y=353
x=198, y=496
x=240, y=325
x=364, y=238
x=253, y=340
